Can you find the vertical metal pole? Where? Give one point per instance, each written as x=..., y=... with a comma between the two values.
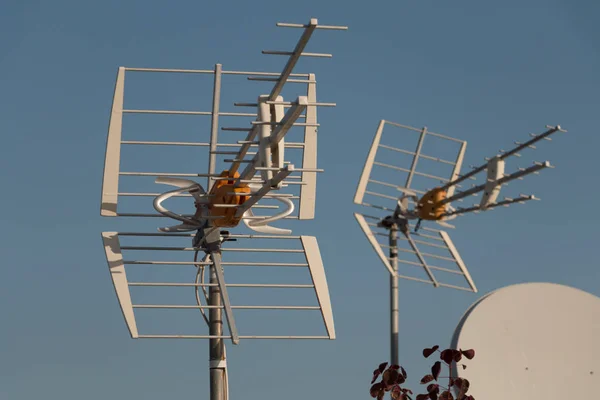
x=214, y=127
x=216, y=351
x=393, y=237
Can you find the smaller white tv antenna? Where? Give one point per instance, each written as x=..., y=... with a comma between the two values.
x=426, y=195
x=231, y=195
x=532, y=341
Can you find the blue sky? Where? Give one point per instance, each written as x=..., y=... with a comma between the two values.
x=485, y=72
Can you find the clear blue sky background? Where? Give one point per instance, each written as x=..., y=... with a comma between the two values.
x=486, y=72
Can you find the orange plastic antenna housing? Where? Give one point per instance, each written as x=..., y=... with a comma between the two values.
x=429, y=207
x=224, y=192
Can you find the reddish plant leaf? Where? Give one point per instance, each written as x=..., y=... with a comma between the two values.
x=407, y=391
x=462, y=385
x=451, y=382
x=378, y=371
x=427, y=379
x=390, y=376
x=376, y=389
x=468, y=353
x=433, y=387
x=447, y=356
x=375, y=375
x=433, y=396
x=422, y=397
x=429, y=351
x=435, y=370
x=446, y=396
x=397, y=393
x=396, y=367
x=403, y=372
x=456, y=355
x=401, y=379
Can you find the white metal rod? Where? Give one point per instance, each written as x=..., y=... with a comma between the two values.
x=493, y=205
x=332, y=27
x=394, y=186
x=235, y=114
x=224, y=250
x=407, y=170
x=266, y=188
x=410, y=278
x=412, y=153
x=164, y=174
x=328, y=27
x=416, y=158
x=501, y=181
x=182, y=71
x=245, y=104
x=227, y=337
x=231, y=153
x=236, y=129
x=175, y=306
x=381, y=195
x=262, y=74
x=416, y=264
x=426, y=243
x=411, y=242
x=216, y=271
x=378, y=207
x=242, y=153
x=288, y=145
x=246, y=285
x=308, y=104
x=157, y=215
x=140, y=194
x=456, y=287
x=428, y=255
x=230, y=263
x=291, y=63
x=288, y=121
x=530, y=142
x=233, y=235
x=167, y=112
x=150, y=143
x=290, y=53
x=258, y=78
x=279, y=123
x=428, y=132
x=503, y=156
x=430, y=237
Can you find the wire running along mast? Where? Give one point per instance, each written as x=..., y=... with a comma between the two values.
x=228, y=200
x=432, y=204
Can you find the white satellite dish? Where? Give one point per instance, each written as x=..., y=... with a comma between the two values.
x=532, y=341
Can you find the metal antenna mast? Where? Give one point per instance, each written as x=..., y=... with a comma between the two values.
x=378, y=188
x=231, y=196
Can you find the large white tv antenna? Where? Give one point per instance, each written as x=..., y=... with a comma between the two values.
x=390, y=169
x=231, y=195
x=532, y=341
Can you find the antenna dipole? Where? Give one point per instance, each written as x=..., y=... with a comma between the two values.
x=378, y=190
x=231, y=196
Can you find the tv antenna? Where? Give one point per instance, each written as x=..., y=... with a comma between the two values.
x=231, y=195
x=528, y=336
x=399, y=217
